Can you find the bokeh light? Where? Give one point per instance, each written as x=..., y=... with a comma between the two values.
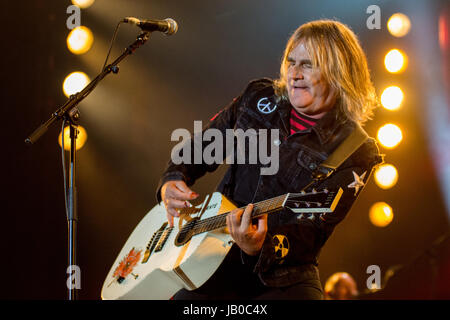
x=395, y=61
x=386, y=176
x=80, y=40
x=381, y=214
x=75, y=82
x=399, y=25
x=81, y=138
x=392, y=98
x=83, y=3
x=389, y=135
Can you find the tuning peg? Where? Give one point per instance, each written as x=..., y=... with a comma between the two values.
x=325, y=190
x=303, y=192
x=314, y=190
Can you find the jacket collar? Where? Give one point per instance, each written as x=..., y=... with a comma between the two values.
x=328, y=125
x=325, y=128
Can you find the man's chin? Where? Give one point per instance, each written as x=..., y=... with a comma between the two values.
x=304, y=109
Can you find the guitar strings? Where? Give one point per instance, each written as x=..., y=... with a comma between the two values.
x=259, y=205
x=218, y=221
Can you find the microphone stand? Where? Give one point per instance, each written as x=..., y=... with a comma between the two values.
x=69, y=112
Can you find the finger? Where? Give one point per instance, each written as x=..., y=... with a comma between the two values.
x=173, y=212
x=246, y=216
x=170, y=219
x=228, y=221
x=181, y=185
x=262, y=225
x=176, y=204
x=174, y=192
x=235, y=217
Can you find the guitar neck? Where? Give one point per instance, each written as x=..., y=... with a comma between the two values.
x=259, y=209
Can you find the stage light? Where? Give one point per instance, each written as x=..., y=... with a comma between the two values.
x=81, y=138
x=399, y=25
x=80, y=40
x=389, y=135
x=75, y=82
x=83, y=4
x=381, y=214
x=386, y=176
x=392, y=98
x=395, y=61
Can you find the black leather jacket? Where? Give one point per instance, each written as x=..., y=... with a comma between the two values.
x=299, y=155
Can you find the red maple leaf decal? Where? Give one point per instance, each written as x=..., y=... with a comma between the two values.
x=127, y=264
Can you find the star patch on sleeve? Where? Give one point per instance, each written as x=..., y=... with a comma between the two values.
x=358, y=182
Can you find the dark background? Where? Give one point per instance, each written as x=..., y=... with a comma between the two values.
x=167, y=84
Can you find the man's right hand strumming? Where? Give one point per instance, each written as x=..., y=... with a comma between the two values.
x=176, y=195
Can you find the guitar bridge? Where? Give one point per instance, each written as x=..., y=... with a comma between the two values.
x=163, y=239
x=153, y=242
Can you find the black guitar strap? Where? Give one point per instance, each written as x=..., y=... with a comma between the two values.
x=354, y=140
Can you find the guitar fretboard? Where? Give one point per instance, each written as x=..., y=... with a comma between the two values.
x=219, y=221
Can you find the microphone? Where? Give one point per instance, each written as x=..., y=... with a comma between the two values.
x=167, y=26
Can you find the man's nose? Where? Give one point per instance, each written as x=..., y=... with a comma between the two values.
x=297, y=73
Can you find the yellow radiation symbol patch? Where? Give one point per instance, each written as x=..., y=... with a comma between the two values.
x=281, y=246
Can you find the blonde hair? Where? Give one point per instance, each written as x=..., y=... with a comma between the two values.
x=336, y=51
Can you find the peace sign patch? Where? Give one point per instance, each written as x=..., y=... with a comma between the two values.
x=265, y=106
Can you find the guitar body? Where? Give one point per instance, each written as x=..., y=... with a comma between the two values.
x=158, y=260
x=153, y=264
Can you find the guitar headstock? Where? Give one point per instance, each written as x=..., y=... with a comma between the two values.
x=321, y=201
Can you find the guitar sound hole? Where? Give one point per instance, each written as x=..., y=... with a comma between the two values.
x=186, y=233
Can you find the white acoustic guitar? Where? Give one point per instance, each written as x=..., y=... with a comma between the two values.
x=158, y=260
